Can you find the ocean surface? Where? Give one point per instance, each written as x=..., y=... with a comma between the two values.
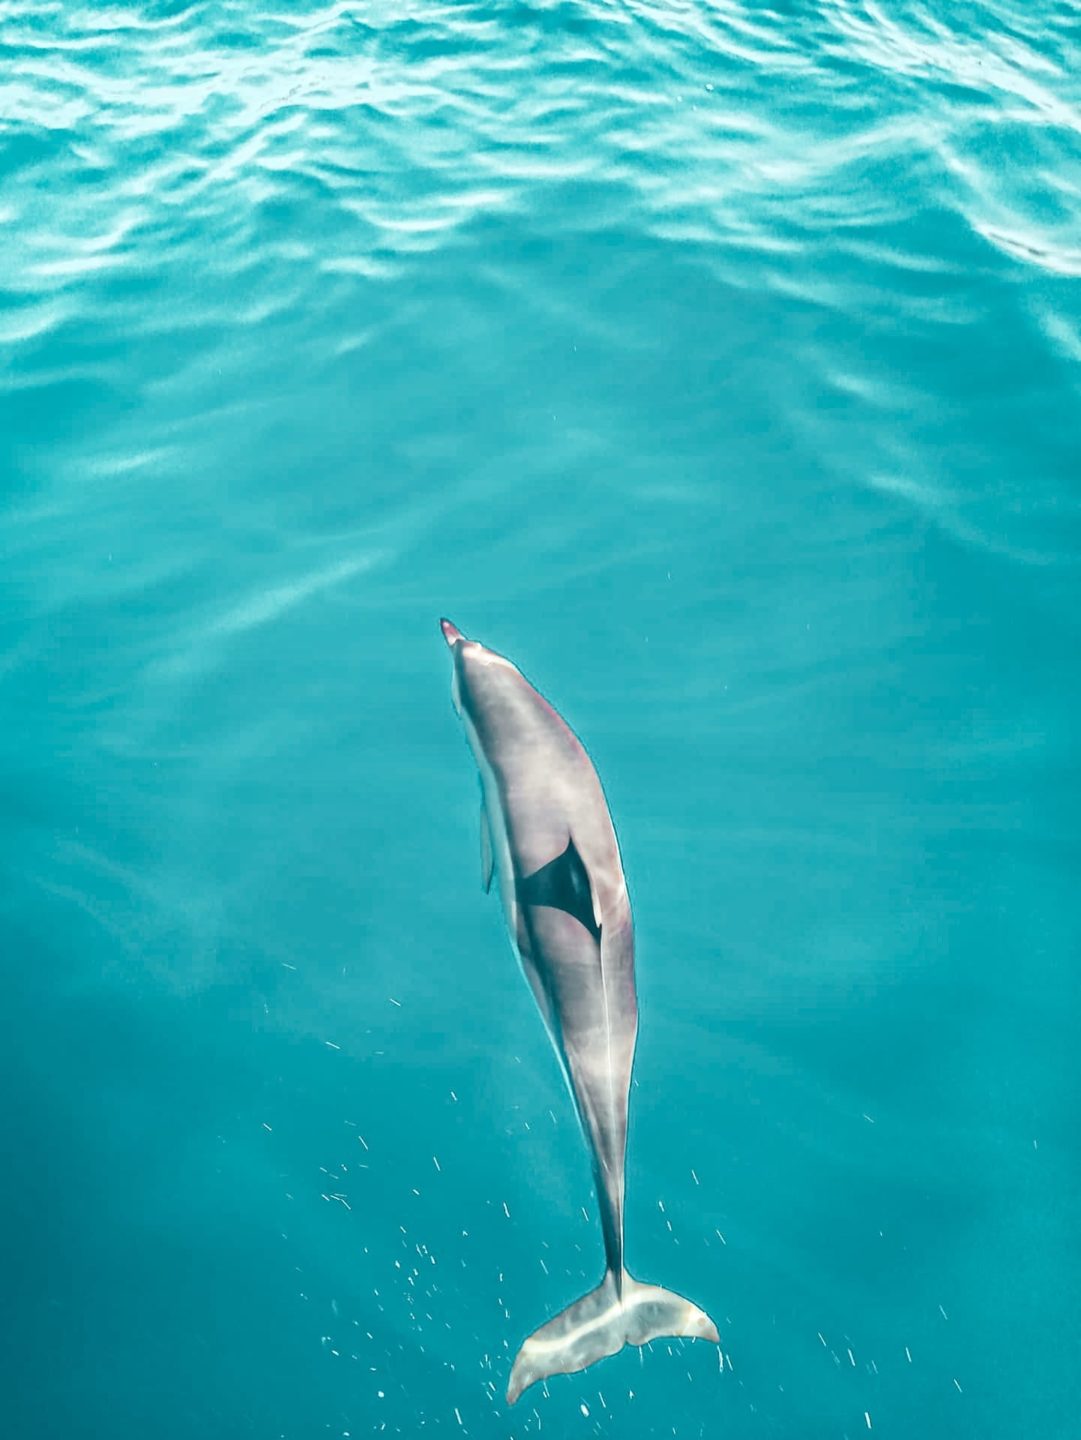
x=721, y=365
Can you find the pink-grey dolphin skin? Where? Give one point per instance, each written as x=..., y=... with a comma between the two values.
x=547, y=834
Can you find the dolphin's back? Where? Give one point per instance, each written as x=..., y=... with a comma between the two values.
x=547, y=784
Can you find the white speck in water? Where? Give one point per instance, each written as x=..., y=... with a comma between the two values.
x=394, y=1002
x=584, y=1409
x=943, y=1313
x=867, y=1417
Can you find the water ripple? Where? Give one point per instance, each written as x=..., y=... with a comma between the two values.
x=234, y=182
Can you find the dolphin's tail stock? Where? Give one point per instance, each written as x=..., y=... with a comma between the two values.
x=600, y=1324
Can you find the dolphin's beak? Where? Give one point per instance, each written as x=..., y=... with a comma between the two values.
x=451, y=633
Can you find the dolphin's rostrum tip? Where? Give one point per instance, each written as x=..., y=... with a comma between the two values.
x=451, y=633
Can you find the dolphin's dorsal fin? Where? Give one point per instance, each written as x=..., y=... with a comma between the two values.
x=485, y=849
x=564, y=884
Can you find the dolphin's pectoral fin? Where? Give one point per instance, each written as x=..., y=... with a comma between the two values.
x=563, y=884
x=485, y=849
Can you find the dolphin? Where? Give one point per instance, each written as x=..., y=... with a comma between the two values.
x=547, y=835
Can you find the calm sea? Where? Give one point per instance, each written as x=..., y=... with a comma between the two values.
x=721, y=364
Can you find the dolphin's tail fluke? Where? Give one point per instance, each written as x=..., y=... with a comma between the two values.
x=600, y=1324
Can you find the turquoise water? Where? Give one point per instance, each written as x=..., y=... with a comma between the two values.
x=720, y=365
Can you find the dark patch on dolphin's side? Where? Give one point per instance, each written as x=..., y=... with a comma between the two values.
x=562, y=884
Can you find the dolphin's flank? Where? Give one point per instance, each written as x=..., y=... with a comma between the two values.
x=547, y=835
